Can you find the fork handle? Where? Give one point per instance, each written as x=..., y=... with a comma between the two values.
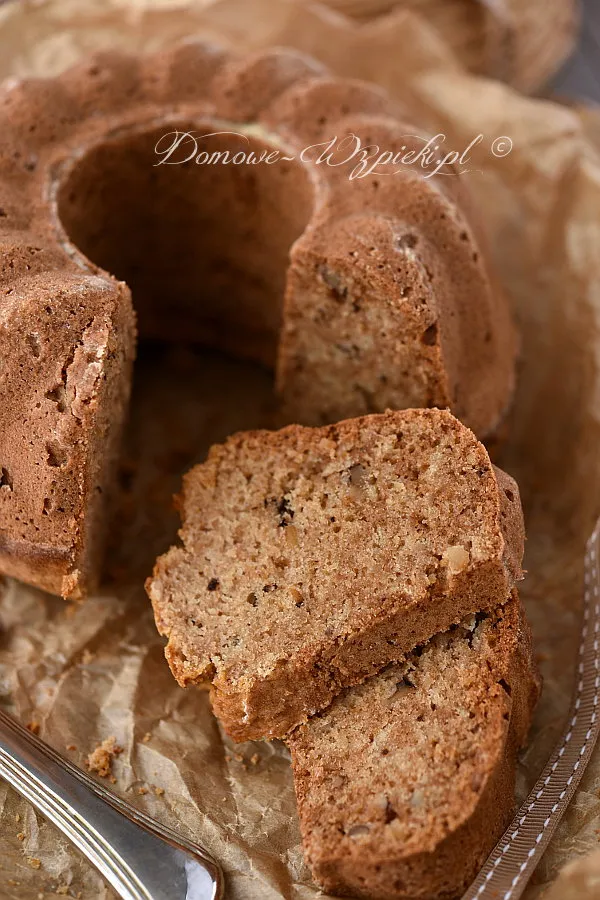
x=141, y=859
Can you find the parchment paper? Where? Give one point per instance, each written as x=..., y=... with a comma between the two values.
x=84, y=673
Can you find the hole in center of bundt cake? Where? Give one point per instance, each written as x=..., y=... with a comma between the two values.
x=204, y=245
x=204, y=250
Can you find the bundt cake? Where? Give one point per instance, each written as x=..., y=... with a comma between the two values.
x=312, y=557
x=406, y=782
x=388, y=298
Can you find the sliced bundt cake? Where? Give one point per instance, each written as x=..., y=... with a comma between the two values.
x=406, y=782
x=311, y=557
x=125, y=174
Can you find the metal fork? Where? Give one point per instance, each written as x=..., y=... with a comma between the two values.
x=140, y=858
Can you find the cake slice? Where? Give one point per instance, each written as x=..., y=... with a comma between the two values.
x=312, y=557
x=406, y=782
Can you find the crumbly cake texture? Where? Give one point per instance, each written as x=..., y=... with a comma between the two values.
x=312, y=557
x=387, y=295
x=406, y=782
x=66, y=348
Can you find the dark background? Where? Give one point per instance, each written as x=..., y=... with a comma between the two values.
x=581, y=75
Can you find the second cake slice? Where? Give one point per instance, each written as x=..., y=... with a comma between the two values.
x=312, y=557
x=407, y=781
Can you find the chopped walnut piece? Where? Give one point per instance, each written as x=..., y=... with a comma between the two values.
x=358, y=830
x=457, y=559
x=296, y=596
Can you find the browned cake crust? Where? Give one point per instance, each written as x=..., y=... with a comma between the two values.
x=388, y=297
x=406, y=782
x=313, y=557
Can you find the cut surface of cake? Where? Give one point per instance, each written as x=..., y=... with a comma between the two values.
x=311, y=557
x=406, y=782
x=118, y=179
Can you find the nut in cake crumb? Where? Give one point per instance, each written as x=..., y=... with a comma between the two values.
x=358, y=831
x=296, y=596
x=456, y=558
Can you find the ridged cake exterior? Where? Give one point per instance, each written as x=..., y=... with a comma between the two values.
x=388, y=301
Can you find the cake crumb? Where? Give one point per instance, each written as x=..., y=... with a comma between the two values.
x=234, y=757
x=18, y=818
x=142, y=791
x=62, y=889
x=255, y=759
x=33, y=727
x=101, y=759
x=159, y=791
x=71, y=747
x=20, y=836
x=146, y=737
x=34, y=862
